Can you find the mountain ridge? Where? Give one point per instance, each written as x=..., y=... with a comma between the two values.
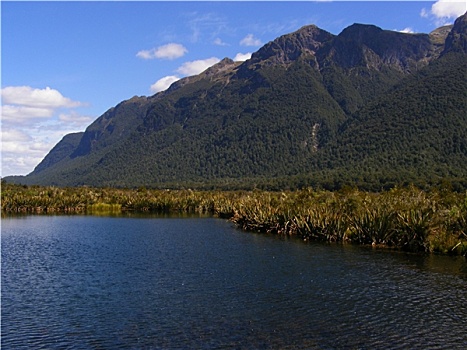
x=283, y=117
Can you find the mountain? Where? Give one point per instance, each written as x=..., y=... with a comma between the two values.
x=456, y=40
x=368, y=107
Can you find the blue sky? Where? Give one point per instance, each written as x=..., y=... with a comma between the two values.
x=63, y=64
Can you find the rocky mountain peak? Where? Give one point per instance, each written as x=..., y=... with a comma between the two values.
x=361, y=45
x=361, y=33
x=456, y=40
x=216, y=71
x=287, y=48
x=221, y=67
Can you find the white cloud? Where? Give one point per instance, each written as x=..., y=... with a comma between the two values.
x=186, y=69
x=424, y=13
x=33, y=121
x=204, y=25
x=75, y=119
x=21, y=152
x=146, y=54
x=196, y=67
x=443, y=12
x=20, y=114
x=242, y=56
x=219, y=42
x=14, y=165
x=407, y=30
x=163, y=83
x=449, y=8
x=170, y=51
x=250, y=40
x=41, y=98
x=14, y=135
x=25, y=104
x=23, y=148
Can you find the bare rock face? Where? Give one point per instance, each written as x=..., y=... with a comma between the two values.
x=288, y=48
x=359, y=45
x=456, y=40
x=371, y=47
x=438, y=38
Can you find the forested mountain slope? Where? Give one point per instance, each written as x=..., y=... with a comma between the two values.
x=368, y=107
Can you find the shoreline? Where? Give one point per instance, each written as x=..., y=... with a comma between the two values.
x=407, y=219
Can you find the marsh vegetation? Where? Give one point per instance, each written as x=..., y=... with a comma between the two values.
x=402, y=218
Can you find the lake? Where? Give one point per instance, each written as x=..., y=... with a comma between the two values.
x=89, y=282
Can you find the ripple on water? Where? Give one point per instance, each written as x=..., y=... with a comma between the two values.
x=86, y=282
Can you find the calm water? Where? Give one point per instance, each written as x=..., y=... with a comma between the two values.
x=83, y=282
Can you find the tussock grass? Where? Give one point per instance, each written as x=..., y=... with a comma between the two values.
x=402, y=218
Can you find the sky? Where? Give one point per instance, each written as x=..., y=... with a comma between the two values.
x=63, y=64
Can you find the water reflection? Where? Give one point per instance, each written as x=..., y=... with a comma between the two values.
x=453, y=265
x=80, y=282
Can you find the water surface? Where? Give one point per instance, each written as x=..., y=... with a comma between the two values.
x=84, y=282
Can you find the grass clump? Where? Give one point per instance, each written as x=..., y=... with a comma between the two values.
x=403, y=218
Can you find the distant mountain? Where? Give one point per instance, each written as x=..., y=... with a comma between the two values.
x=368, y=107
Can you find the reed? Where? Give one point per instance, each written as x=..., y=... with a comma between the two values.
x=104, y=208
x=403, y=218
x=375, y=226
x=415, y=226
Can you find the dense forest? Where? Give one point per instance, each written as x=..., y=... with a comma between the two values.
x=368, y=108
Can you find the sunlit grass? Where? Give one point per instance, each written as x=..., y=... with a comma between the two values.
x=402, y=218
